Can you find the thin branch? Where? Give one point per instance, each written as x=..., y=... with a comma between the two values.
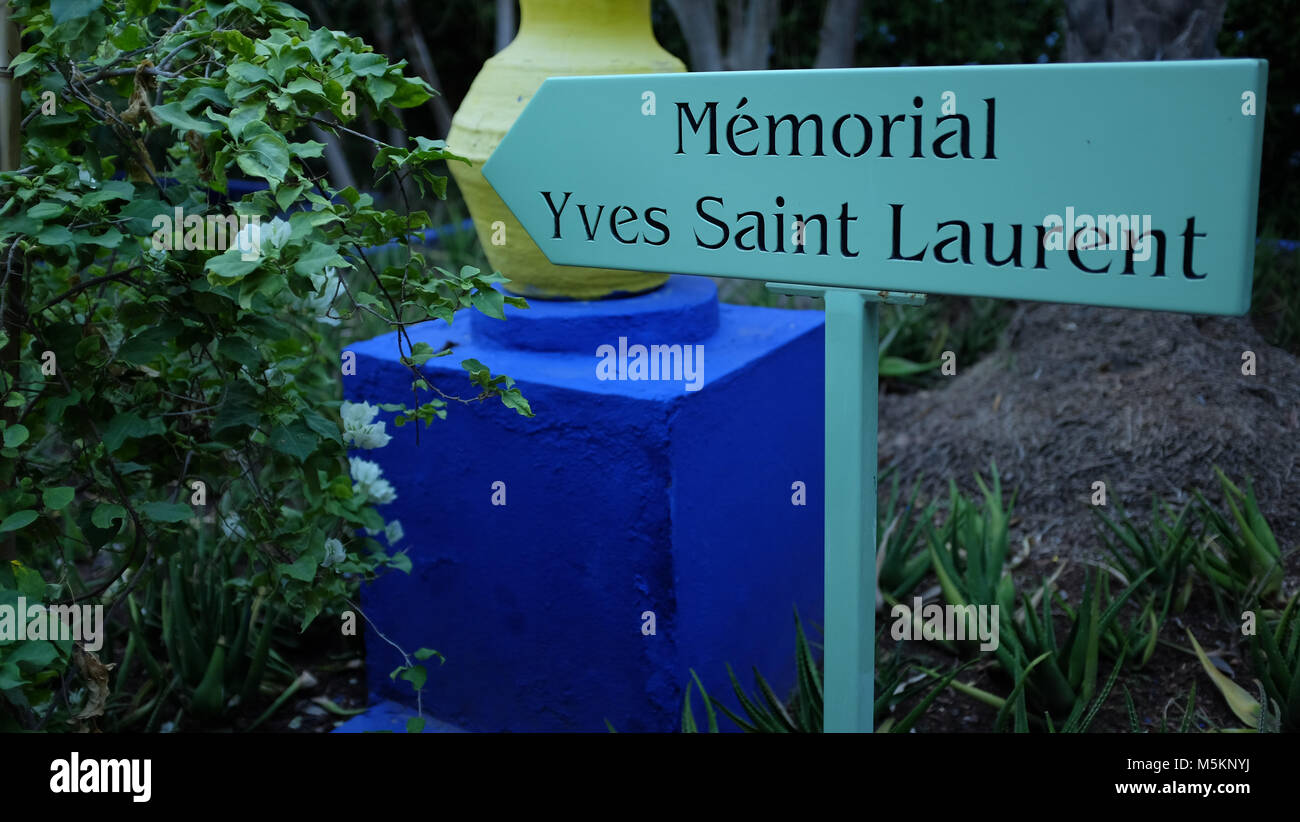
x=75, y=290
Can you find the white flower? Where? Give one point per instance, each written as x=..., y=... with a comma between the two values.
x=254, y=235
x=358, y=429
x=324, y=289
x=231, y=526
x=364, y=472
x=277, y=233
x=357, y=413
x=87, y=179
x=249, y=239
x=275, y=377
x=382, y=492
x=368, y=481
x=334, y=553
x=394, y=533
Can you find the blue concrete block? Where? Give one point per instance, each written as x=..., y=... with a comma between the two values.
x=621, y=497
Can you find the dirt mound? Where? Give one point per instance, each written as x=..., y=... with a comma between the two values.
x=1147, y=402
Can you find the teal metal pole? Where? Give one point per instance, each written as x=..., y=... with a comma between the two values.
x=852, y=359
x=852, y=411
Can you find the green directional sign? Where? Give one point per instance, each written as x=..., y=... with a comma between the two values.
x=1117, y=184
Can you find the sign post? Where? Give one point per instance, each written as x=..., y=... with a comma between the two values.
x=1131, y=185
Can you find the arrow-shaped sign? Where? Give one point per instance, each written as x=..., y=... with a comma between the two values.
x=1118, y=184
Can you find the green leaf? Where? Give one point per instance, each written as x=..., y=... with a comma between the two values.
x=410, y=94
x=421, y=353
x=111, y=190
x=243, y=116
x=54, y=235
x=56, y=499
x=416, y=675
x=175, y=115
x=139, y=214
x=512, y=398
x=17, y=520
x=1245, y=706
x=316, y=258
x=48, y=210
x=302, y=569
x=305, y=84
x=16, y=435
x=206, y=94
x=380, y=90
x=246, y=72
x=127, y=425
x=425, y=653
x=238, y=407
x=148, y=345
x=415, y=725
x=401, y=562
x=295, y=439
x=34, y=655
x=65, y=10
x=265, y=154
x=167, y=511
x=24, y=63
x=229, y=267
x=105, y=513
x=10, y=677
x=307, y=148
x=241, y=351
x=325, y=427
x=490, y=302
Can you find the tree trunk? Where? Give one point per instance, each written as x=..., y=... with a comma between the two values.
x=506, y=23
x=11, y=151
x=424, y=62
x=1102, y=30
x=839, y=34
x=699, y=23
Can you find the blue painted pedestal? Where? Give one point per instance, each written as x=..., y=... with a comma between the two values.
x=621, y=497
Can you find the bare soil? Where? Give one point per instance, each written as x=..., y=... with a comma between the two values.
x=1147, y=402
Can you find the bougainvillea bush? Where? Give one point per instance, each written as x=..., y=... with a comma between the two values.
x=170, y=379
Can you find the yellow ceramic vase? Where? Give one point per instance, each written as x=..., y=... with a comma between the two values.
x=556, y=38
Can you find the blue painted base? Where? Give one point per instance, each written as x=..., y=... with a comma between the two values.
x=391, y=716
x=621, y=497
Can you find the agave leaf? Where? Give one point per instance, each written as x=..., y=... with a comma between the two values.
x=708, y=704
x=1133, y=725
x=905, y=724
x=1105, y=692
x=763, y=721
x=946, y=571
x=1151, y=638
x=1017, y=693
x=1274, y=670
x=810, y=683
x=777, y=708
x=1191, y=708
x=1246, y=707
x=688, y=718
